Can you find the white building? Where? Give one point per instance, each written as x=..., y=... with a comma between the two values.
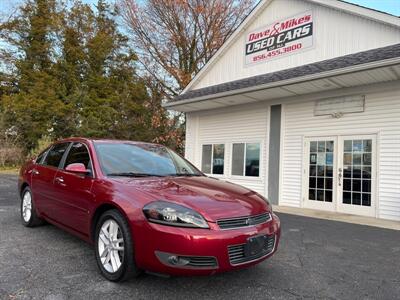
x=302, y=104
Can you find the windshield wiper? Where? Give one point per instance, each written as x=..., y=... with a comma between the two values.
x=132, y=174
x=185, y=174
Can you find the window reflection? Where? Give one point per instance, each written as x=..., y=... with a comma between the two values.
x=213, y=156
x=252, y=159
x=357, y=160
x=246, y=159
x=218, y=159
x=321, y=170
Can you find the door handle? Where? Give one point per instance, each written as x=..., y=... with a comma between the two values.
x=59, y=179
x=340, y=176
x=35, y=172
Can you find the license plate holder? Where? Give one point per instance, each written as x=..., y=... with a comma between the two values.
x=255, y=245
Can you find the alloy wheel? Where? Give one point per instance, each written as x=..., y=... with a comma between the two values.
x=27, y=206
x=111, y=246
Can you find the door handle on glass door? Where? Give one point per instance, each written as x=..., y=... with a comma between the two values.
x=340, y=176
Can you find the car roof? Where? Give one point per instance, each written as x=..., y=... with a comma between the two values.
x=100, y=140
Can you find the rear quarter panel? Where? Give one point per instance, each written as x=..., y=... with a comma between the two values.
x=25, y=175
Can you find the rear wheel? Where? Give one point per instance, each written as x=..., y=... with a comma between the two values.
x=29, y=216
x=114, y=247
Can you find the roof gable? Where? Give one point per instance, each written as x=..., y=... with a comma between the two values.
x=258, y=16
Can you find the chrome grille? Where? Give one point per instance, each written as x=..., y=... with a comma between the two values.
x=237, y=252
x=243, y=221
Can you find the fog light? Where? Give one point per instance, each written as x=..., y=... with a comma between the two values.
x=173, y=260
x=196, y=262
x=177, y=261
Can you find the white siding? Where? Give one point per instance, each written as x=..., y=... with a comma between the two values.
x=190, y=138
x=381, y=116
x=336, y=34
x=234, y=124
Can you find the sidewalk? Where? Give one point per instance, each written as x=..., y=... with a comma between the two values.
x=326, y=215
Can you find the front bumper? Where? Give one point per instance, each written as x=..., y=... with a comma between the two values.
x=155, y=241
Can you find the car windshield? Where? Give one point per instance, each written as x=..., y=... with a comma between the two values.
x=142, y=160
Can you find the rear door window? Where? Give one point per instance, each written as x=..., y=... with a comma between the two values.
x=56, y=153
x=40, y=157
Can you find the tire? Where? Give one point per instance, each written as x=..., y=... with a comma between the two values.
x=114, y=264
x=29, y=215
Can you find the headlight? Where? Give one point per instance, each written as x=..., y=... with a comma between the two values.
x=172, y=214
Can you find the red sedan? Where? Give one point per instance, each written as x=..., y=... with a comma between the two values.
x=144, y=207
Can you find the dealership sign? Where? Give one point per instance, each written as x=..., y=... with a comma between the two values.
x=281, y=38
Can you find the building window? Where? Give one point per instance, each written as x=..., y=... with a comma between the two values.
x=246, y=159
x=213, y=157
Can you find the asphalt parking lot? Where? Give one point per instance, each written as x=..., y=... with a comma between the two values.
x=317, y=259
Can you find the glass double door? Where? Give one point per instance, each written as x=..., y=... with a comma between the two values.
x=339, y=174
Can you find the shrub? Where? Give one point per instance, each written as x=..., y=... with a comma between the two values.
x=10, y=155
x=42, y=144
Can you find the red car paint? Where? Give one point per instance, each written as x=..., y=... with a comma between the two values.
x=74, y=202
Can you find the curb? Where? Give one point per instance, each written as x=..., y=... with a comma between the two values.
x=340, y=217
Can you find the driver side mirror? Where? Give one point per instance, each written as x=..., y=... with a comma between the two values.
x=77, y=168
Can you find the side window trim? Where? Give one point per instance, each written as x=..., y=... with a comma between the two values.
x=63, y=160
x=45, y=157
x=49, y=150
x=40, y=162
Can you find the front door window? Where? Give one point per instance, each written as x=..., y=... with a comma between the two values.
x=357, y=165
x=320, y=181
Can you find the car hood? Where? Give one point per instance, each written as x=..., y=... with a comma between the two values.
x=214, y=199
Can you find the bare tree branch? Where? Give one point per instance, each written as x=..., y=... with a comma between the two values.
x=178, y=37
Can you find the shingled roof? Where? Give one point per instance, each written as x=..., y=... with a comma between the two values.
x=341, y=62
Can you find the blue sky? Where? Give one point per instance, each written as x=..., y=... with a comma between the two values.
x=389, y=6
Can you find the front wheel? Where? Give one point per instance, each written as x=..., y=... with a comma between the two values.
x=29, y=216
x=114, y=247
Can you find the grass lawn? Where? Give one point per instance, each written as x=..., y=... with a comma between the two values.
x=9, y=170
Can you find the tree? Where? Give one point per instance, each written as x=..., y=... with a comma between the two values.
x=67, y=69
x=167, y=128
x=70, y=68
x=110, y=49
x=98, y=75
x=32, y=108
x=176, y=38
x=72, y=73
